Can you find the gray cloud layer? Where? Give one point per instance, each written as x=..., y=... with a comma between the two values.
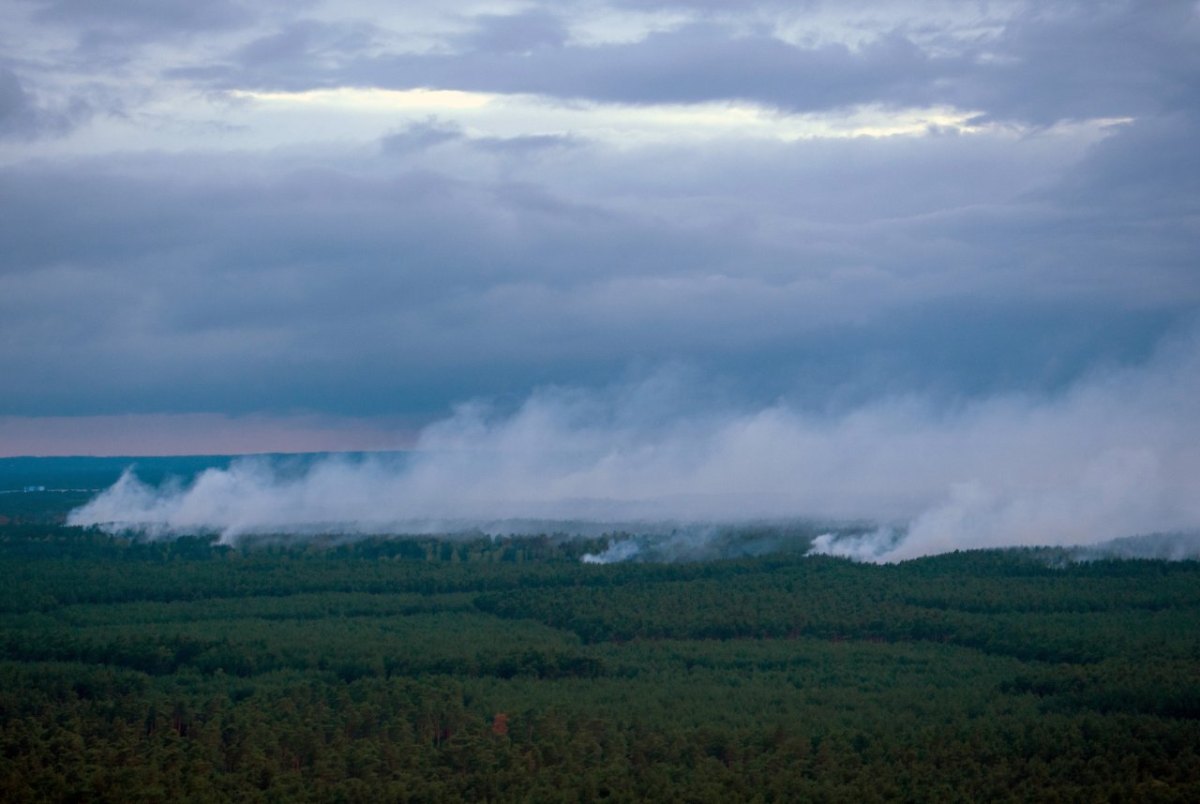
x=448, y=266
x=23, y=116
x=1041, y=63
x=1035, y=63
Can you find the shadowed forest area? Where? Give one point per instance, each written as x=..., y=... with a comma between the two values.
x=418, y=669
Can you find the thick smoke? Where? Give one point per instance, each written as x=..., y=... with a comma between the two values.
x=1115, y=455
x=1159, y=546
x=703, y=542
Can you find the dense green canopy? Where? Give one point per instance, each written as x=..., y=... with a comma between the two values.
x=418, y=669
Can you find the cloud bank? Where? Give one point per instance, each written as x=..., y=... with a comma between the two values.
x=1115, y=454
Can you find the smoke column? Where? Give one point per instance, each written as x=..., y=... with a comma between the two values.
x=1117, y=454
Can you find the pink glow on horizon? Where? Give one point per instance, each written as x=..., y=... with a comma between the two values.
x=198, y=434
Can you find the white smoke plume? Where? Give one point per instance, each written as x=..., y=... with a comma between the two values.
x=1115, y=455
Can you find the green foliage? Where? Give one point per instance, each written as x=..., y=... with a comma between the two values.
x=426, y=670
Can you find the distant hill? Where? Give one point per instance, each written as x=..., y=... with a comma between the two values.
x=97, y=473
x=85, y=472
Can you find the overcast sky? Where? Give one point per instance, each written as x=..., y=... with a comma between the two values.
x=234, y=226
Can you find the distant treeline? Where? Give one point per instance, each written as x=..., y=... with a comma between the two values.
x=98, y=473
x=88, y=472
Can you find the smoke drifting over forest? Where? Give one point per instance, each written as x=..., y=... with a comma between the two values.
x=1115, y=455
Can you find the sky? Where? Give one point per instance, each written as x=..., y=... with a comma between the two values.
x=238, y=227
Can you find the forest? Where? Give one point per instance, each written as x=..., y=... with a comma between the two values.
x=506, y=669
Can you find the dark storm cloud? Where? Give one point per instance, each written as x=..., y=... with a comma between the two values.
x=429, y=133
x=527, y=144
x=459, y=262
x=1048, y=62
x=1034, y=64
x=23, y=116
x=18, y=113
x=694, y=64
x=1077, y=60
x=397, y=285
x=127, y=38
x=144, y=17
x=420, y=135
x=289, y=289
x=1149, y=172
x=516, y=33
x=301, y=41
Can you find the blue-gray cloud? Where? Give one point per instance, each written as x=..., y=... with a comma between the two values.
x=517, y=33
x=391, y=285
x=1073, y=60
x=444, y=262
x=24, y=116
x=1048, y=62
x=698, y=63
x=420, y=135
x=1029, y=63
x=143, y=17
